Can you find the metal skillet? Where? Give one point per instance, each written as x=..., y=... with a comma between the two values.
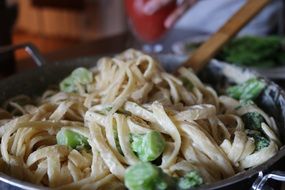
x=216, y=74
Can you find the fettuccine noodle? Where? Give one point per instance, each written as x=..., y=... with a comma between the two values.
x=130, y=94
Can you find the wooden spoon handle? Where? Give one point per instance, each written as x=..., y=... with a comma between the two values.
x=211, y=47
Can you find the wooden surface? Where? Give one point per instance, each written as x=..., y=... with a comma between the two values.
x=211, y=47
x=98, y=18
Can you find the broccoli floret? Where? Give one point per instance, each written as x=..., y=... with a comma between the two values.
x=145, y=176
x=260, y=140
x=244, y=103
x=248, y=90
x=252, y=120
x=78, y=76
x=72, y=139
x=149, y=146
x=189, y=180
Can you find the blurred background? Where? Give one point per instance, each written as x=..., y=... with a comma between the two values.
x=73, y=28
x=53, y=25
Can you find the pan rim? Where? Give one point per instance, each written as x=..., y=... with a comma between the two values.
x=219, y=184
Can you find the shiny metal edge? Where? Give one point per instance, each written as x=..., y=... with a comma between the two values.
x=18, y=183
x=221, y=184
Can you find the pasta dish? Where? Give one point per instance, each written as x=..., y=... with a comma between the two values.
x=128, y=123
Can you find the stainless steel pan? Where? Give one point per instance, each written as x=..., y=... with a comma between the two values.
x=217, y=74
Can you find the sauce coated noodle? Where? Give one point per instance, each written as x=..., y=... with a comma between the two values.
x=130, y=94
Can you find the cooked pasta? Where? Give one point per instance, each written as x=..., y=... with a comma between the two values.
x=129, y=95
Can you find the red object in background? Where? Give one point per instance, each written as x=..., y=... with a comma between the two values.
x=148, y=27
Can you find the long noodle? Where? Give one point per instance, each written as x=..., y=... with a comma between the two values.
x=129, y=94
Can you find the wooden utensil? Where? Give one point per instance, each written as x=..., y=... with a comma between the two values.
x=212, y=46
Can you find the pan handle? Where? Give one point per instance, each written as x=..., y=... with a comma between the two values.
x=30, y=48
x=262, y=179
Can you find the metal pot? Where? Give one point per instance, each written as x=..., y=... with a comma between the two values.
x=217, y=74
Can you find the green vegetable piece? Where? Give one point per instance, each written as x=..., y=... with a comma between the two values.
x=260, y=140
x=187, y=83
x=244, y=103
x=145, y=176
x=82, y=75
x=254, y=51
x=72, y=139
x=253, y=89
x=235, y=91
x=78, y=76
x=248, y=90
x=148, y=147
x=252, y=120
x=67, y=85
x=189, y=180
